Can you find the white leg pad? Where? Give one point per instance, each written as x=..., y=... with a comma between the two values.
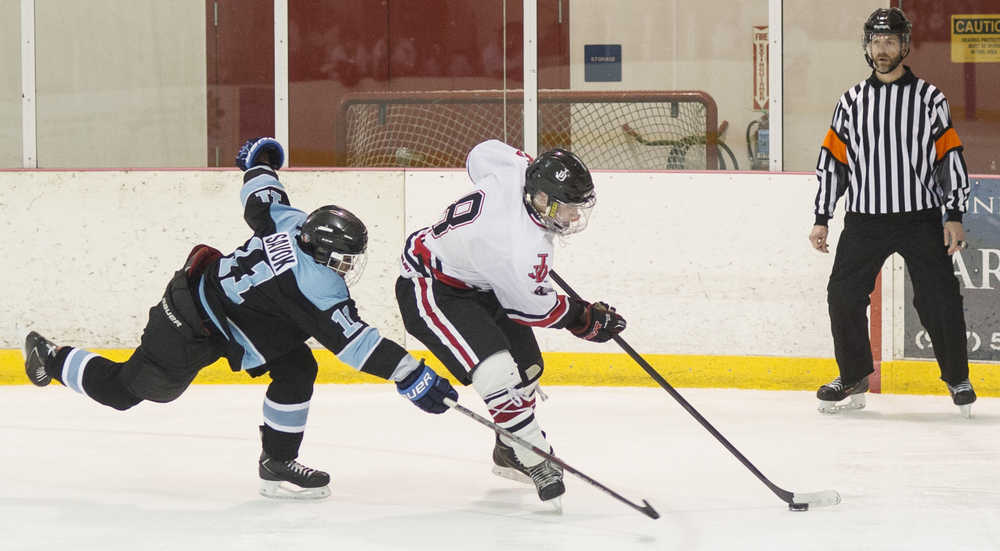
x=496, y=379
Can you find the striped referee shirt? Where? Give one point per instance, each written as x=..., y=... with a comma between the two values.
x=891, y=148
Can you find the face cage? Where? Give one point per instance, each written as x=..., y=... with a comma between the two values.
x=558, y=224
x=348, y=266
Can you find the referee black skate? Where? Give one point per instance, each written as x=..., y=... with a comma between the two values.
x=892, y=149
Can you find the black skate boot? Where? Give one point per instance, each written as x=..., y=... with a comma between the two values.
x=963, y=396
x=303, y=482
x=836, y=391
x=39, y=353
x=546, y=476
x=506, y=465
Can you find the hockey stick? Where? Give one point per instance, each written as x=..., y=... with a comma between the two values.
x=647, y=510
x=796, y=501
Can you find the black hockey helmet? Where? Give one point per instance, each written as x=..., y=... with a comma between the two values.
x=336, y=238
x=887, y=21
x=568, y=191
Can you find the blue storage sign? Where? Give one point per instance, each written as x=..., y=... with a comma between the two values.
x=602, y=62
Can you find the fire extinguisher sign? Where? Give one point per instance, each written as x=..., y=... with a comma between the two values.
x=760, y=68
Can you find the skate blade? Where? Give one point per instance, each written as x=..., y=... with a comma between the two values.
x=556, y=504
x=274, y=489
x=828, y=407
x=966, y=411
x=512, y=474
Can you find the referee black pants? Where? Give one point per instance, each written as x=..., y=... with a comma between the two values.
x=866, y=242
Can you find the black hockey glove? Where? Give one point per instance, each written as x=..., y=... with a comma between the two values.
x=598, y=323
x=426, y=389
x=260, y=151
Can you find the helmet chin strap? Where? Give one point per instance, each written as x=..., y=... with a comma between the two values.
x=893, y=68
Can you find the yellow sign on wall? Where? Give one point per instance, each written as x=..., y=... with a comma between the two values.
x=975, y=38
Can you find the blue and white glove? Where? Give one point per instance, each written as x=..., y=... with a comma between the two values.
x=260, y=151
x=426, y=389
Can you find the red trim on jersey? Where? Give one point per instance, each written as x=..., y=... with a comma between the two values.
x=448, y=280
x=428, y=307
x=555, y=314
x=424, y=254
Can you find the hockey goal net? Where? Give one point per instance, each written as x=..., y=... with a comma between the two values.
x=638, y=130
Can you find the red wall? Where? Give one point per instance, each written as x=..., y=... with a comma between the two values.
x=240, y=66
x=971, y=88
x=337, y=47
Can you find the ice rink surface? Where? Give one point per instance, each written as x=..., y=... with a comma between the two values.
x=913, y=474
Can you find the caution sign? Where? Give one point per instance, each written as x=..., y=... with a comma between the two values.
x=975, y=38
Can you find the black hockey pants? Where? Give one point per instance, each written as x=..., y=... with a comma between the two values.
x=463, y=327
x=866, y=242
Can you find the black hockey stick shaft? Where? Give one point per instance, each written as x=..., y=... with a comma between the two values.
x=646, y=510
x=785, y=495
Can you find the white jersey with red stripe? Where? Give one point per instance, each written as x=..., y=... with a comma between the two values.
x=489, y=240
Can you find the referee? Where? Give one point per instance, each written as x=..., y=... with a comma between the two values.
x=892, y=149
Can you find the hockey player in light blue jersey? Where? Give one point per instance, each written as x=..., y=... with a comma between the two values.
x=256, y=307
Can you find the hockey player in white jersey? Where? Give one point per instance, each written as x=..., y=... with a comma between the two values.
x=474, y=284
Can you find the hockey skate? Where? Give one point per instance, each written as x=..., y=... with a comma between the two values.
x=546, y=476
x=38, y=353
x=835, y=391
x=963, y=396
x=506, y=465
x=291, y=480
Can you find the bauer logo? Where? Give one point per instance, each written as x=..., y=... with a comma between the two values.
x=170, y=315
x=418, y=390
x=280, y=252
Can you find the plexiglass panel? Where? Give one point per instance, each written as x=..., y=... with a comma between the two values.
x=10, y=86
x=416, y=83
x=386, y=83
x=823, y=58
x=956, y=46
x=684, y=73
x=120, y=84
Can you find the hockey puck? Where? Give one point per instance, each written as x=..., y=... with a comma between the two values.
x=798, y=506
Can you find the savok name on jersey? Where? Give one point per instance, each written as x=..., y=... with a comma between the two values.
x=280, y=253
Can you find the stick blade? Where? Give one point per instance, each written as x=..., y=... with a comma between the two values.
x=649, y=511
x=825, y=498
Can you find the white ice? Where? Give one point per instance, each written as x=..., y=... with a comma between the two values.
x=183, y=476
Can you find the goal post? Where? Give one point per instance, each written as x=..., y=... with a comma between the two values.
x=632, y=130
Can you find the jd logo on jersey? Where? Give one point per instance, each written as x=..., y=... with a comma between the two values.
x=541, y=270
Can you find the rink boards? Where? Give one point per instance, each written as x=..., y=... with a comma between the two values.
x=712, y=270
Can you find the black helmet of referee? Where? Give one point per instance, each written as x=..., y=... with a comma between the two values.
x=887, y=21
